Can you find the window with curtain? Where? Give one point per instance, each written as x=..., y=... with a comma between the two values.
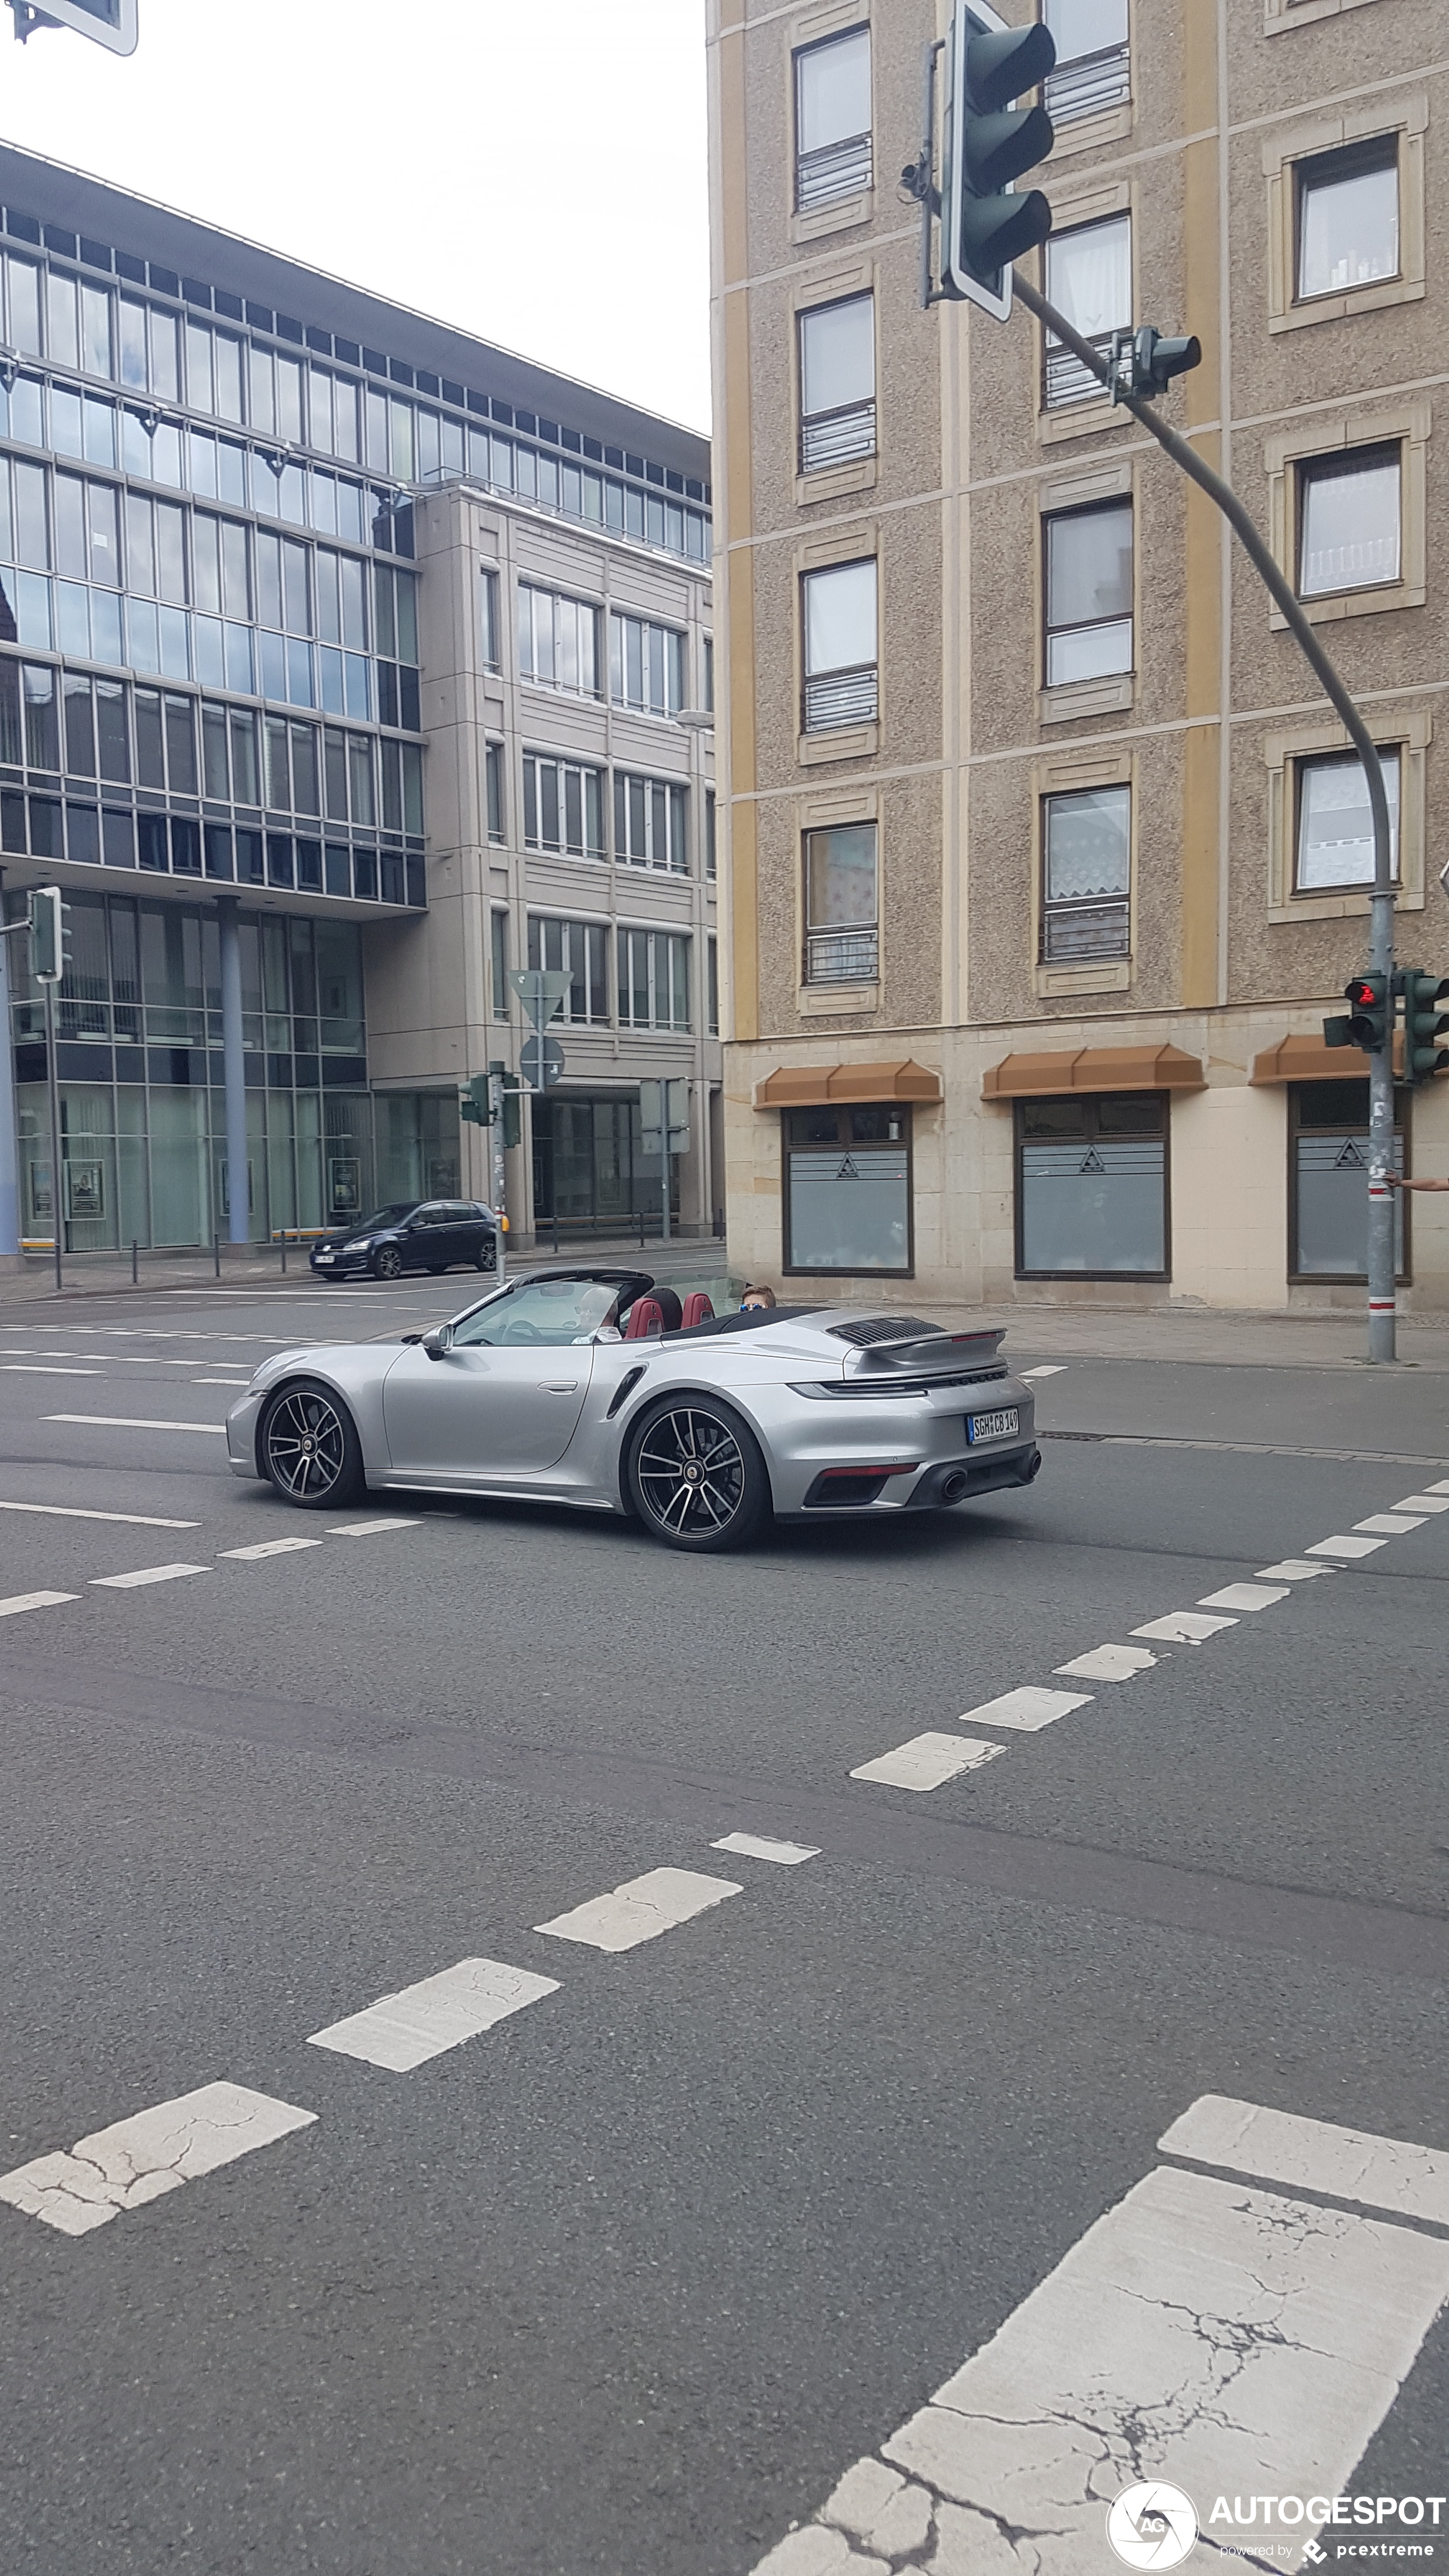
x=1089, y=279
x=1094, y=68
x=1348, y=218
x=842, y=940
x=1349, y=520
x=1334, y=841
x=1086, y=874
x=837, y=383
x=1088, y=556
x=838, y=609
x=832, y=120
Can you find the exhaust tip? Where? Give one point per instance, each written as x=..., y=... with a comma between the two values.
x=955, y=1485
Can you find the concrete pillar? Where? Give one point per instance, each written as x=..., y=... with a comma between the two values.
x=234, y=1071
x=9, y=1143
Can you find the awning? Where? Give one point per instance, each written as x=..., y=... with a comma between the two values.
x=813, y=1086
x=1309, y=1060
x=1139, y=1068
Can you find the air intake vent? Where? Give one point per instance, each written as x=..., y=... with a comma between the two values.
x=883, y=1328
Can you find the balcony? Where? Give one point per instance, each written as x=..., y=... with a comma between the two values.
x=1088, y=85
x=837, y=437
x=842, y=956
x=837, y=698
x=1074, y=932
x=836, y=171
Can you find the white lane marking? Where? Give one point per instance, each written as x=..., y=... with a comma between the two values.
x=19, y=1601
x=1391, y=1524
x=1294, y=1569
x=1110, y=1663
x=131, y=1422
x=156, y=2151
x=1183, y=1627
x=1028, y=1708
x=1389, y=2175
x=759, y=1847
x=365, y=1529
x=1054, y=1369
x=267, y=1547
x=1244, y=1596
x=404, y=2030
x=1221, y=2338
x=146, y=1574
x=79, y=1512
x=237, y=1385
x=1442, y=1487
x=1343, y=1545
x=641, y=1909
x=35, y=1368
x=927, y=1760
x=1423, y=1503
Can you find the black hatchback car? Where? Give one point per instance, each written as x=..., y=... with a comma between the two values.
x=411, y=1234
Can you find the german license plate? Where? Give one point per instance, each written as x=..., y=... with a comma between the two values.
x=326, y=1256
x=991, y=1426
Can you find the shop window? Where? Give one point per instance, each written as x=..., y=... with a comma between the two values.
x=1091, y=1187
x=1328, y=1145
x=848, y=1189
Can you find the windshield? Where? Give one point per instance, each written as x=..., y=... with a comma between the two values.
x=541, y=1310
x=384, y=1216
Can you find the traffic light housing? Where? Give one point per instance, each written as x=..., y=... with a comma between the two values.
x=1144, y=362
x=985, y=222
x=1368, y=1022
x=49, y=935
x=1426, y=1022
x=475, y=1102
x=512, y=1112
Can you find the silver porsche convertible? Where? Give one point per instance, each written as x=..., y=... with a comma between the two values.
x=589, y=1387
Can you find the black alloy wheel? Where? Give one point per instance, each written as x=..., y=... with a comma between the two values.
x=387, y=1264
x=695, y=1475
x=485, y=1258
x=309, y=1447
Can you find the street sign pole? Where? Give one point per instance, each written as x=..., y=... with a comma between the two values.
x=53, y=1086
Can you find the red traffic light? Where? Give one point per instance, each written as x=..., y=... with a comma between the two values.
x=1362, y=992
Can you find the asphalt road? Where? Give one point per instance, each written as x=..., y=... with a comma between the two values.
x=622, y=2284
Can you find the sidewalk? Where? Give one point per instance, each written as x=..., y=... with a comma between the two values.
x=695, y=1262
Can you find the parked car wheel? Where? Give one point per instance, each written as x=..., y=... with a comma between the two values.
x=387, y=1264
x=695, y=1475
x=485, y=1258
x=309, y=1447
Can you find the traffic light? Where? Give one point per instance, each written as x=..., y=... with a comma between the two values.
x=1144, y=362
x=985, y=222
x=1426, y=1021
x=111, y=23
x=512, y=1112
x=475, y=1102
x=49, y=935
x=1368, y=1024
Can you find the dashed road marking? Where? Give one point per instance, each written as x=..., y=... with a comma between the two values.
x=366, y=1529
x=1344, y=1545
x=1294, y=1569
x=1110, y=1664
x=759, y=1847
x=1386, y=2175
x=404, y=2030
x=19, y=1601
x=927, y=1760
x=1244, y=1596
x=146, y=1574
x=641, y=1909
x=1184, y=1627
x=155, y=2151
x=40, y=1368
x=237, y=1385
x=77, y=1512
x=1423, y=1503
x=268, y=1547
x=1026, y=1709
x=132, y=1422
x=1054, y=1369
x=1391, y=1524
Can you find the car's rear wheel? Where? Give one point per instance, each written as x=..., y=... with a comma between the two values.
x=485, y=1258
x=309, y=1447
x=696, y=1476
x=387, y=1264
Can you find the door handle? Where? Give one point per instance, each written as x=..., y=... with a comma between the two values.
x=558, y=1386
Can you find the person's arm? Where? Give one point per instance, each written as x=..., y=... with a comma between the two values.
x=1397, y=1182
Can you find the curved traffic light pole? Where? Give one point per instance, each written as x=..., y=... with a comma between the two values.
x=1382, y=1270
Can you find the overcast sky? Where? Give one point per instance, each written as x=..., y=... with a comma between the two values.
x=533, y=170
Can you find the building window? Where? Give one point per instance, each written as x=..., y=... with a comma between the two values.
x=1091, y=1187
x=499, y=928
x=832, y=120
x=711, y=974
x=848, y=1189
x=646, y=666
x=563, y=807
x=709, y=831
x=1094, y=68
x=493, y=782
x=578, y=949
x=489, y=624
x=649, y=822
x=1349, y=520
x=837, y=383
x=557, y=641
x=841, y=675
x=1328, y=1144
x=1089, y=279
x=1348, y=218
x=1334, y=840
x=708, y=649
x=1086, y=875
x=842, y=941
x=653, y=980
x=1088, y=593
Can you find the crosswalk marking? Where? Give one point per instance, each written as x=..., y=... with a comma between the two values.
x=267, y=1547
x=404, y=2030
x=1244, y=1596
x=641, y=1909
x=1423, y=1503
x=1391, y=1524
x=132, y=1422
x=146, y=1574
x=1183, y=1627
x=1110, y=1664
x=759, y=1847
x=1222, y=2336
x=19, y=1601
x=1344, y=1545
x=1293, y=1569
x=79, y=1512
x=927, y=1760
x=137, y=2160
x=1027, y=1709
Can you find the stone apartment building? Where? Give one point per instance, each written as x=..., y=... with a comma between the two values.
x=1044, y=855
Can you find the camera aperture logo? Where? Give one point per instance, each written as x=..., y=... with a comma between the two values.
x=1152, y=2526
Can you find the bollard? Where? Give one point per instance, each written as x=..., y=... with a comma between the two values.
x=284, y=1256
x=133, y=1261
x=216, y=1256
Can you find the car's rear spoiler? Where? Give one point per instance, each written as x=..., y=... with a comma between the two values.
x=929, y=1355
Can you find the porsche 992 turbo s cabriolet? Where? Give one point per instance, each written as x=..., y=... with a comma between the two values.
x=589, y=1387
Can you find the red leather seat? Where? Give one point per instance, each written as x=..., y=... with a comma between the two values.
x=645, y=1317
x=697, y=1308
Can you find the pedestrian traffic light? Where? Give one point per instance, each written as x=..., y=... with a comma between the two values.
x=475, y=1102
x=1368, y=1021
x=1426, y=1021
x=985, y=222
x=1144, y=362
x=49, y=935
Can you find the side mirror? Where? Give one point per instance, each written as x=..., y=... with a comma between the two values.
x=439, y=1342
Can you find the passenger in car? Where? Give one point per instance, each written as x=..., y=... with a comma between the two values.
x=753, y=1298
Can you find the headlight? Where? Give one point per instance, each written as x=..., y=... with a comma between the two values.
x=359, y=1243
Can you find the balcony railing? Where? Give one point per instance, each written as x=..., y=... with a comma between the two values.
x=842, y=698
x=1072, y=932
x=836, y=170
x=837, y=437
x=842, y=956
x=1067, y=379
x=1091, y=83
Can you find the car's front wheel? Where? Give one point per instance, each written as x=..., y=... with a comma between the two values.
x=695, y=1475
x=309, y=1447
x=387, y=1264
